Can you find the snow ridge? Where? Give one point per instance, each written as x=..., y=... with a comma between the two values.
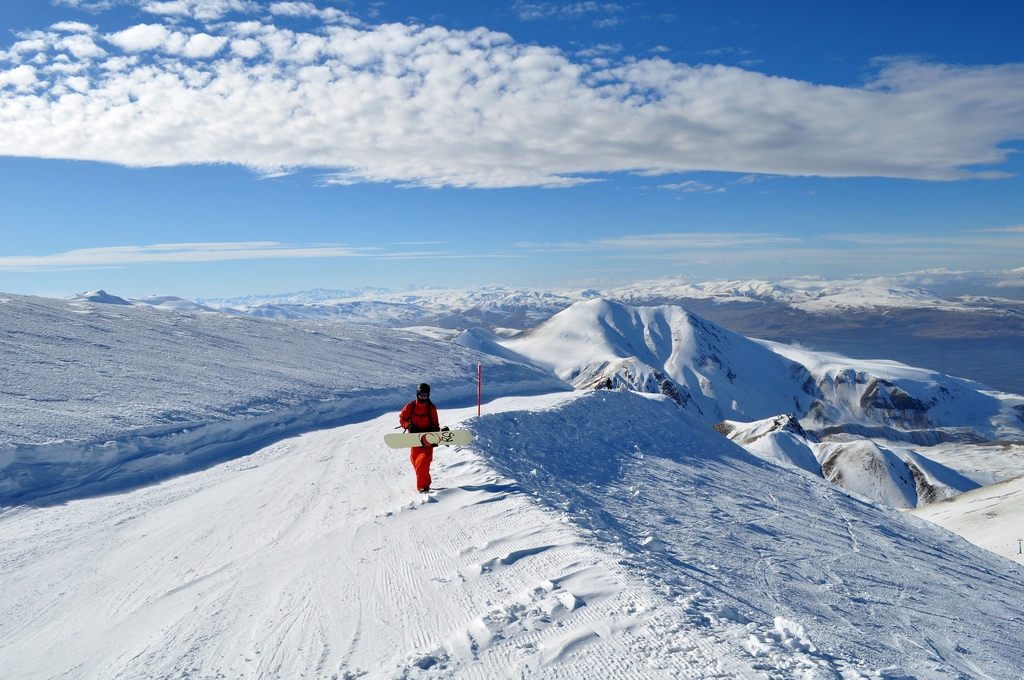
x=802, y=576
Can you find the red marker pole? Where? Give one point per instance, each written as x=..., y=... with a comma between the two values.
x=479, y=386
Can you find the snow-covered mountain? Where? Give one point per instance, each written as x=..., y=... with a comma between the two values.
x=766, y=388
x=967, y=324
x=583, y=534
x=666, y=350
x=894, y=476
x=938, y=289
x=725, y=376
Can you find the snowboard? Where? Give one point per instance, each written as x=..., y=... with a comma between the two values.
x=443, y=438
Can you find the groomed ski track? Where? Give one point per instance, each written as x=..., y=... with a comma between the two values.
x=584, y=555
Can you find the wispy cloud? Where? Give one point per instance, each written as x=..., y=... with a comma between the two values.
x=846, y=253
x=428, y=106
x=647, y=244
x=529, y=11
x=692, y=187
x=204, y=10
x=1015, y=229
x=121, y=256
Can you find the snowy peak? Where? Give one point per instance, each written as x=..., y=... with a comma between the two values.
x=725, y=376
x=100, y=296
x=667, y=350
x=159, y=301
x=779, y=439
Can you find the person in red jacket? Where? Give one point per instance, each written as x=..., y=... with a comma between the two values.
x=420, y=415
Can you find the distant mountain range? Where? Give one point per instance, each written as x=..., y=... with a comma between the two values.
x=967, y=324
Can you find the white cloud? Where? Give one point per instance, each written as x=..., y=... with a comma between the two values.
x=429, y=106
x=141, y=38
x=598, y=50
x=119, y=256
x=204, y=10
x=36, y=42
x=310, y=11
x=1015, y=229
x=21, y=77
x=246, y=47
x=542, y=10
x=73, y=27
x=81, y=46
x=202, y=45
x=90, y=5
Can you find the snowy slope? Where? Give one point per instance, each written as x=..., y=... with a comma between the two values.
x=109, y=396
x=991, y=517
x=671, y=554
x=890, y=399
x=892, y=475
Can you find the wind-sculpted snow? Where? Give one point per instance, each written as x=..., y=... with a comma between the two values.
x=100, y=397
x=809, y=581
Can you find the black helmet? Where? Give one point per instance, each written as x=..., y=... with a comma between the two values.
x=423, y=389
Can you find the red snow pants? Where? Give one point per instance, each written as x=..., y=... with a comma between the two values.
x=421, y=457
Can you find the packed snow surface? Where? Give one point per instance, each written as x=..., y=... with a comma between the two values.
x=557, y=546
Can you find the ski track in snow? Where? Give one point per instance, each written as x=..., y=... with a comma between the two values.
x=584, y=553
x=313, y=556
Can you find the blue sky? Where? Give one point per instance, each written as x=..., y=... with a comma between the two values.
x=213, y=148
